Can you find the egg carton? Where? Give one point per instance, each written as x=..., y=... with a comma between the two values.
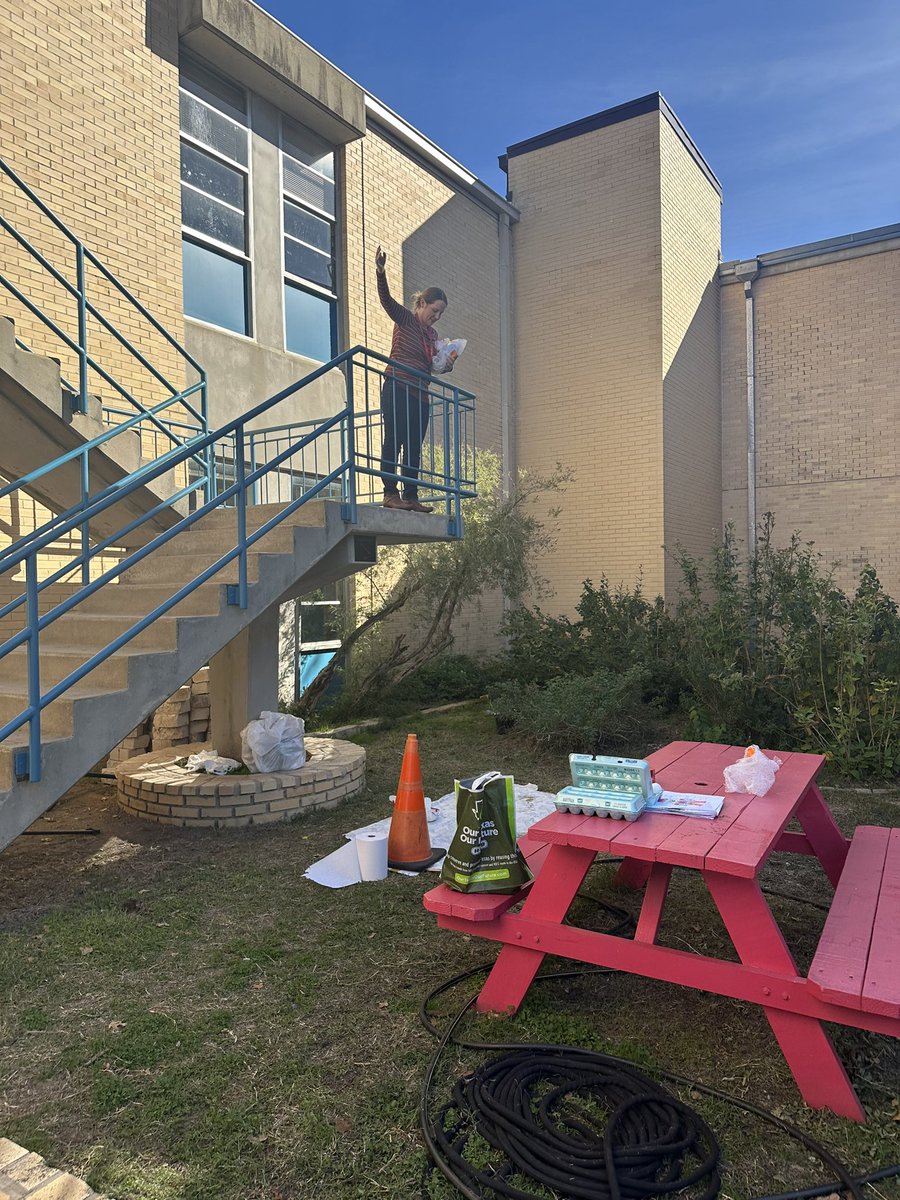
x=612, y=776
x=590, y=802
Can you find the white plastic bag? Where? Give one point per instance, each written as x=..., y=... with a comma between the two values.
x=273, y=743
x=753, y=773
x=446, y=352
x=212, y=762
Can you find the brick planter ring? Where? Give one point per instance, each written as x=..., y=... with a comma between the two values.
x=151, y=786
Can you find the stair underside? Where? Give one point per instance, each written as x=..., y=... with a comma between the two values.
x=312, y=546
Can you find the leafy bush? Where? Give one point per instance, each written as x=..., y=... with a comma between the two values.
x=842, y=679
x=540, y=647
x=767, y=650
x=443, y=680
x=585, y=713
x=774, y=652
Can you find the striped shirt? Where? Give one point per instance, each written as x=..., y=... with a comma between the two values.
x=412, y=343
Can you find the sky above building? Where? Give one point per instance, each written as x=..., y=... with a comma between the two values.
x=794, y=104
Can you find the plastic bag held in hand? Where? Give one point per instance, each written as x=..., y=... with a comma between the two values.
x=753, y=773
x=273, y=743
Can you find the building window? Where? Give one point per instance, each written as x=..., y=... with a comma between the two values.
x=215, y=159
x=319, y=633
x=310, y=277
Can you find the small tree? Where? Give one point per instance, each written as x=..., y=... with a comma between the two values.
x=502, y=543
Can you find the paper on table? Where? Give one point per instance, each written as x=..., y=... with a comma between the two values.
x=687, y=804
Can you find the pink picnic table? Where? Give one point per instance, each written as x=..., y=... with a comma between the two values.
x=854, y=978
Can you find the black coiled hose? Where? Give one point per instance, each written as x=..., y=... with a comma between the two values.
x=579, y=1123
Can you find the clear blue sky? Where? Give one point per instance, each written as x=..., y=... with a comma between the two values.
x=794, y=104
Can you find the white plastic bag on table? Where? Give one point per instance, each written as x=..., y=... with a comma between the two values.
x=753, y=773
x=273, y=743
x=446, y=352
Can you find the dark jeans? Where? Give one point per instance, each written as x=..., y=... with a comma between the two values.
x=404, y=412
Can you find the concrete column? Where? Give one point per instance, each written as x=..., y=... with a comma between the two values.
x=243, y=682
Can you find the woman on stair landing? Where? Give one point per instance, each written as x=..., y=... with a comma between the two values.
x=404, y=398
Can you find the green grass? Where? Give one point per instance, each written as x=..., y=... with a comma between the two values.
x=196, y=1021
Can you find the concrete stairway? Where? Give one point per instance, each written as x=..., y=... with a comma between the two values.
x=309, y=548
x=38, y=426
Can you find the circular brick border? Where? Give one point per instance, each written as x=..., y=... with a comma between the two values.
x=151, y=786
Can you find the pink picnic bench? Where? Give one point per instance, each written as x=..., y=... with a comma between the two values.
x=854, y=978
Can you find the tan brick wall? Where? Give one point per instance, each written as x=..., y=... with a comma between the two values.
x=692, y=461
x=434, y=236
x=152, y=787
x=588, y=337
x=828, y=440
x=89, y=112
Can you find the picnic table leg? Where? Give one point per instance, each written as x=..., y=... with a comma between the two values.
x=822, y=833
x=654, y=901
x=549, y=899
x=807, y=1048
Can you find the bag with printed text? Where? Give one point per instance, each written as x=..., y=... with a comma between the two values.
x=484, y=856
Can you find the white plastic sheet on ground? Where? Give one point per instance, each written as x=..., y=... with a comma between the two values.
x=341, y=868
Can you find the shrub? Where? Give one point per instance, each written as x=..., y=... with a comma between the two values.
x=582, y=713
x=443, y=680
x=539, y=647
x=842, y=682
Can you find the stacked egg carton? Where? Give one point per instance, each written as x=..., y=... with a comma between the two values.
x=603, y=786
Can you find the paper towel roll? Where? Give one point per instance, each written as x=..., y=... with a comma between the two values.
x=371, y=849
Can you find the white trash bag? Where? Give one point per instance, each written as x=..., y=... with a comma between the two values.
x=754, y=773
x=212, y=762
x=273, y=743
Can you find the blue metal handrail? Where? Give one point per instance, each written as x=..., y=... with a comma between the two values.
x=178, y=397
x=453, y=406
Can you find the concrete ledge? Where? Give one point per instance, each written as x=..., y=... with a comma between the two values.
x=152, y=787
x=27, y=1175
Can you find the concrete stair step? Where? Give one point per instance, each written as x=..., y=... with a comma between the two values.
x=58, y=663
x=194, y=551
x=57, y=719
x=93, y=632
x=174, y=571
x=138, y=599
x=311, y=513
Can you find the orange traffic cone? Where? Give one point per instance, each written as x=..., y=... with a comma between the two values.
x=409, y=846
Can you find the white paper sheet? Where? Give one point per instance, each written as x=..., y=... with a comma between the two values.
x=336, y=871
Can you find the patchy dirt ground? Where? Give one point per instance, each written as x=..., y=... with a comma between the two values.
x=83, y=833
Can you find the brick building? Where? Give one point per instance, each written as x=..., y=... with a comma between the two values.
x=238, y=184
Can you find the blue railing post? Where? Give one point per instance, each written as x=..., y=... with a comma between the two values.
x=456, y=524
x=447, y=459
x=82, y=330
x=241, y=515
x=86, y=525
x=34, y=668
x=348, y=508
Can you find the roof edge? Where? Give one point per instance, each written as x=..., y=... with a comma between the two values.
x=653, y=102
x=836, y=245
